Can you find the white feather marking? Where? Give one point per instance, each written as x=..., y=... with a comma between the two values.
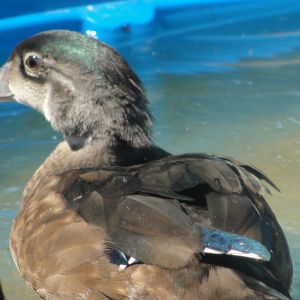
x=212, y=251
x=131, y=260
x=122, y=267
x=46, y=109
x=243, y=254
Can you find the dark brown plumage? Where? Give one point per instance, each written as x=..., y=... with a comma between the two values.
x=1, y=293
x=109, y=215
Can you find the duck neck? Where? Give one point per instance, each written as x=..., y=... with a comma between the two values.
x=111, y=150
x=95, y=154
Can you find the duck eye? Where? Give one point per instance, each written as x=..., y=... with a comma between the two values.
x=33, y=63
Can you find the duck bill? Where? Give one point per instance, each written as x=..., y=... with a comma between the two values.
x=5, y=93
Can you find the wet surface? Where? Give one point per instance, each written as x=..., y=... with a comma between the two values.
x=226, y=84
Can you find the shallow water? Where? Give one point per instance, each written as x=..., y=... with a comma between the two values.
x=222, y=79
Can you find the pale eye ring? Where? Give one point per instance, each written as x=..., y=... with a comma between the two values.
x=33, y=63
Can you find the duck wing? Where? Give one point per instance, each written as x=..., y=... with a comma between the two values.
x=162, y=212
x=152, y=229
x=228, y=195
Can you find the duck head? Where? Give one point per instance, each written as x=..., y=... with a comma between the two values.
x=83, y=87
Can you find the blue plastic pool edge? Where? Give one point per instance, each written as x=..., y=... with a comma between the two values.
x=104, y=16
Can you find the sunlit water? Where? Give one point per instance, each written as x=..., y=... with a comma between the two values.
x=222, y=80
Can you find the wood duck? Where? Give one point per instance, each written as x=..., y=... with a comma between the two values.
x=110, y=215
